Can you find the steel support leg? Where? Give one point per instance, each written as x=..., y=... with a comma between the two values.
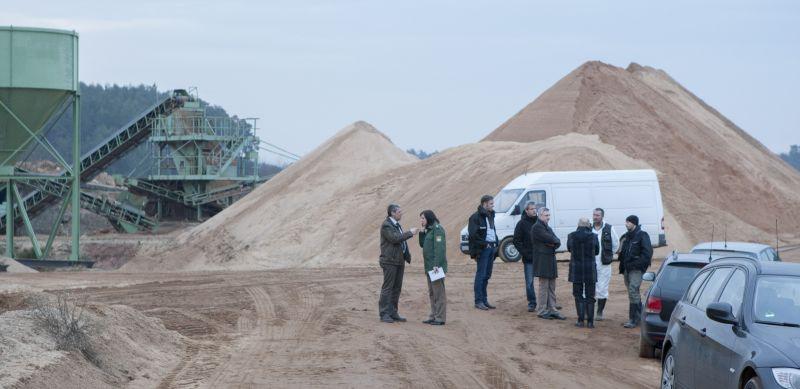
x=9, y=221
x=76, y=177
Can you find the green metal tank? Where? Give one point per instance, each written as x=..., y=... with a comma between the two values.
x=38, y=73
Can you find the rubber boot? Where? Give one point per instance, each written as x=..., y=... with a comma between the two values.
x=601, y=306
x=631, y=316
x=580, y=307
x=590, y=315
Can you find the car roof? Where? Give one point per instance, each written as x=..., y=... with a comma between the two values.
x=692, y=257
x=732, y=246
x=761, y=267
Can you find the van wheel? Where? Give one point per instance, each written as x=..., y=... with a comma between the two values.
x=645, y=349
x=509, y=253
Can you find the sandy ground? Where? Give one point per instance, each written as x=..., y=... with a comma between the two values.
x=319, y=327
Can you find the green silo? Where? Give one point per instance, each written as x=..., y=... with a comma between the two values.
x=38, y=77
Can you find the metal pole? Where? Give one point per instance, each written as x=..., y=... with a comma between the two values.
x=76, y=177
x=9, y=221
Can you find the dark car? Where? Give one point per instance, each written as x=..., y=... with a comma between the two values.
x=669, y=284
x=737, y=326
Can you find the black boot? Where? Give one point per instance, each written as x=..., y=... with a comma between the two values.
x=601, y=306
x=631, y=323
x=590, y=314
x=580, y=307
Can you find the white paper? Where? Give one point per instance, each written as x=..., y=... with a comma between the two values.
x=436, y=274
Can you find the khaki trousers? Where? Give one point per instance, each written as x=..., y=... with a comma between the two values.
x=438, y=299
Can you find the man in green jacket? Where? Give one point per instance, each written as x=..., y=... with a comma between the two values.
x=433, y=243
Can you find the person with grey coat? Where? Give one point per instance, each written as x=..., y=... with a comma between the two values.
x=544, y=243
x=394, y=256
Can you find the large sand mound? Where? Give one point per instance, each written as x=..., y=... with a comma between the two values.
x=711, y=171
x=279, y=225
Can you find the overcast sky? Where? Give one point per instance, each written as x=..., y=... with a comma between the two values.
x=430, y=75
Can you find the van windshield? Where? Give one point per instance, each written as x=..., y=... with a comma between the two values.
x=506, y=199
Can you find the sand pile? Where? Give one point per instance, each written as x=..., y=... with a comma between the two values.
x=289, y=222
x=711, y=171
x=131, y=348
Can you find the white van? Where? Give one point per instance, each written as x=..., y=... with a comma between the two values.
x=572, y=195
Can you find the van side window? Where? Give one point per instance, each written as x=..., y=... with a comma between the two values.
x=537, y=196
x=695, y=286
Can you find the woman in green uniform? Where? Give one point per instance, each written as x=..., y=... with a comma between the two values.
x=432, y=241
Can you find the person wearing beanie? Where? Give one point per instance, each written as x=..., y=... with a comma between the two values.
x=635, y=256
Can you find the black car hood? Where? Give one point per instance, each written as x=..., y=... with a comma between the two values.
x=785, y=340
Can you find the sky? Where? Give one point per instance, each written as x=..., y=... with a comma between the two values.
x=432, y=74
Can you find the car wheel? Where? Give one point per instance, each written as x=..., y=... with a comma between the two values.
x=668, y=371
x=753, y=383
x=645, y=349
x=509, y=253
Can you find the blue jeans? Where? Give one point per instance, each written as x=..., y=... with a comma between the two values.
x=529, y=291
x=484, y=273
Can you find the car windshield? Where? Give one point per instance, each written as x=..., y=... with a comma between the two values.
x=777, y=300
x=676, y=276
x=725, y=252
x=505, y=199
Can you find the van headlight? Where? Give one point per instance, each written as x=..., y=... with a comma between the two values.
x=787, y=378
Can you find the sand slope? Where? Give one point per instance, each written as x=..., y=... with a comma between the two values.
x=711, y=171
x=132, y=349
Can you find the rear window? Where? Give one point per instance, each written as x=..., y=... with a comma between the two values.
x=725, y=252
x=675, y=277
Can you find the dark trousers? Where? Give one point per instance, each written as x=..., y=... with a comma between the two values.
x=583, y=292
x=484, y=273
x=529, y=290
x=390, y=290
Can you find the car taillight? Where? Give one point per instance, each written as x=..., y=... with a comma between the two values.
x=653, y=305
x=662, y=224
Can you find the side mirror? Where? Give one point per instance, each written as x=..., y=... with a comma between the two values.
x=721, y=312
x=649, y=276
x=516, y=210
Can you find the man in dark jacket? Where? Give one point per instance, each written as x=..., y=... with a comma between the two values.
x=583, y=247
x=544, y=244
x=394, y=255
x=634, y=259
x=483, y=248
x=523, y=243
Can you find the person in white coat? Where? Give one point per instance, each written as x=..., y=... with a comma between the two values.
x=608, y=242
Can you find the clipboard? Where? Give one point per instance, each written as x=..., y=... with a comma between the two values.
x=436, y=274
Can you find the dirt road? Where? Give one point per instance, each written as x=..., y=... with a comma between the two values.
x=319, y=327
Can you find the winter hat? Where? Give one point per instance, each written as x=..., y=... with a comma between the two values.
x=633, y=219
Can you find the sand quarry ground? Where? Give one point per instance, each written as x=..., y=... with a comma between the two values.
x=281, y=289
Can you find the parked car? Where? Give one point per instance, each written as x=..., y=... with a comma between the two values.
x=572, y=195
x=669, y=285
x=737, y=326
x=757, y=251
